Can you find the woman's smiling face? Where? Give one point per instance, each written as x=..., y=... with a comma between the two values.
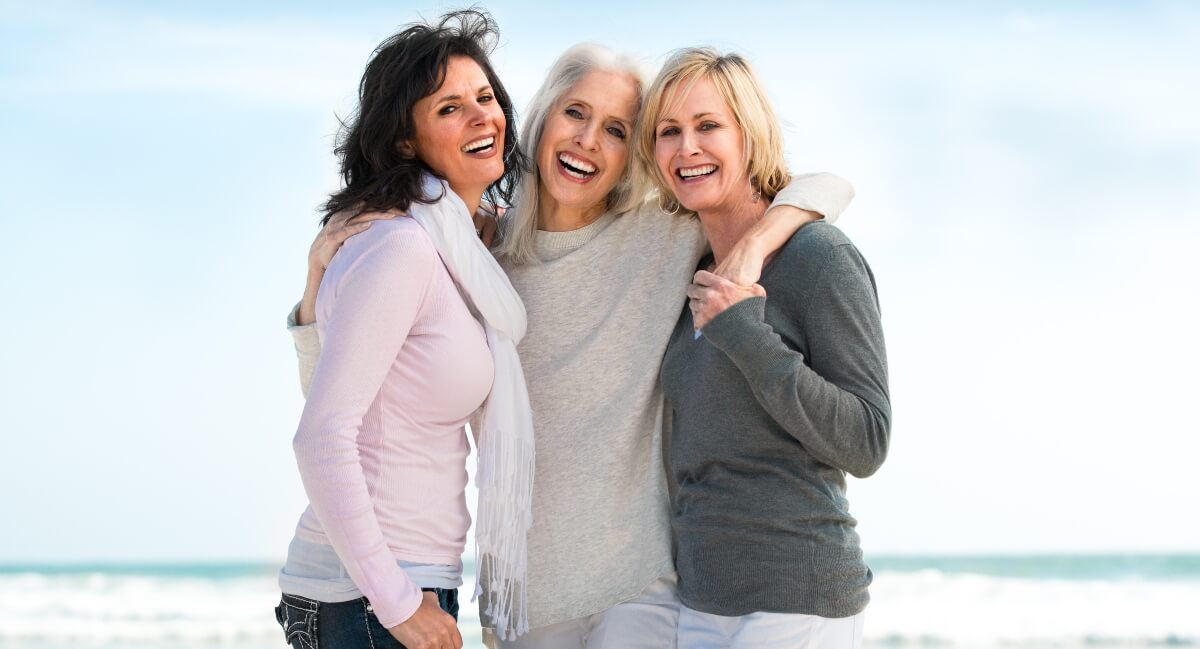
x=460, y=129
x=700, y=149
x=584, y=148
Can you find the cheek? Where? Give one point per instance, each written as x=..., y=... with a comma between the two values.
x=545, y=153
x=662, y=156
x=734, y=149
x=618, y=157
x=431, y=143
x=498, y=118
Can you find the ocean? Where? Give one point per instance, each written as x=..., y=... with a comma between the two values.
x=980, y=602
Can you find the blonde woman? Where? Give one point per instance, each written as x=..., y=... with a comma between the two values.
x=777, y=389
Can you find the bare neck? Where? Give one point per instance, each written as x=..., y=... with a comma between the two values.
x=556, y=217
x=725, y=226
x=470, y=196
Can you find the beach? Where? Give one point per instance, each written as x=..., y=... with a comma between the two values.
x=976, y=602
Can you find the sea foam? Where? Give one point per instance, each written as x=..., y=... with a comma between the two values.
x=909, y=608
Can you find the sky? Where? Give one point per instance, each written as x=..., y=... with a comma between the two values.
x=1028, y=179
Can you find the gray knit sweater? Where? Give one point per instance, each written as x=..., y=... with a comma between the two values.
x=602, y=302
x=777, y=400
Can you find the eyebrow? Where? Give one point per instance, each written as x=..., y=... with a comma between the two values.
x=622, y=120
x=672, y=119
x=445, y=98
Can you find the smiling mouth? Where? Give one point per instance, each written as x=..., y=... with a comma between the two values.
x=575, y=167
x=482, y=145
x=694, y=173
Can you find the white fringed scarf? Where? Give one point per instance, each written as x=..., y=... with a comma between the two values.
x=504, y=473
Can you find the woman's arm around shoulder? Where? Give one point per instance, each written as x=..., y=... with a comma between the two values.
x=809, y=197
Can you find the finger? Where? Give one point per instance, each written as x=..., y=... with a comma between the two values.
x=697, y=292
x=367, y=217
x=758, y=290
x=340, y=218
x=704, y=278
x=339, y=237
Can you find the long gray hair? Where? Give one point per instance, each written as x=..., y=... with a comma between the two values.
x=520, y=224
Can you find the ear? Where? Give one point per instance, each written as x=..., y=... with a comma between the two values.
x=406, y=148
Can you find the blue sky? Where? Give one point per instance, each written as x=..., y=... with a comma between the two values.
x=1028, y=185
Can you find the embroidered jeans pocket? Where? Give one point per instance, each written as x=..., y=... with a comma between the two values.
x=298, y=617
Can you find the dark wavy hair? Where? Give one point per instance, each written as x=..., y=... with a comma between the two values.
x=404, y=68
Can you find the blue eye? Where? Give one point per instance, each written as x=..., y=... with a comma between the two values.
x=669, y=131
x=616, y=132
x=574, y=112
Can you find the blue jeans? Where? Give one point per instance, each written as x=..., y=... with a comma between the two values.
x=309, y=624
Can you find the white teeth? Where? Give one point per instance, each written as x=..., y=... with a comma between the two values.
x=582, y=165
x=697, y=171
x=479, y=144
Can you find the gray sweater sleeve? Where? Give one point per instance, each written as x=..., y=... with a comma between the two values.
x=308, y=348
x=837, y=403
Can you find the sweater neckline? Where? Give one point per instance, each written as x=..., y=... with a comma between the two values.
x=571, y=239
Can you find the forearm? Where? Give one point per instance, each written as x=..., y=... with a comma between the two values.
x=306, y=313
x=331, y=471
x=808, y=198
x=843, y=424
x=773, y=230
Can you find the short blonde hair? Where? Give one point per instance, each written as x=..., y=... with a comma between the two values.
x=737, y=84
x=519, y=226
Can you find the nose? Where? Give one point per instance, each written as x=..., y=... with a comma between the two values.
x=477, y=114
x=689, y=144
x=588, y=136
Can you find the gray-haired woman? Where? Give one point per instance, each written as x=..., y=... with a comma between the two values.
x=603, y=273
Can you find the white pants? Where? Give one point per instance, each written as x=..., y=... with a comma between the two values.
x=768, y=631
x=648, y=621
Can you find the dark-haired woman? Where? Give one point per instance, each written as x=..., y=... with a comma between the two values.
x=418, y=327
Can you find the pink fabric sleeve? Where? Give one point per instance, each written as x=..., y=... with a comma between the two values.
x=373, y=306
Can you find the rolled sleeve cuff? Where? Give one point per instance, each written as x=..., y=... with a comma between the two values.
x=305, y=336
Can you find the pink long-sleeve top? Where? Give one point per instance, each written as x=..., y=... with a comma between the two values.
x=382, y=444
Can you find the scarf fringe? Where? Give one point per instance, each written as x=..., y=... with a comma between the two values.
x=504, y=476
